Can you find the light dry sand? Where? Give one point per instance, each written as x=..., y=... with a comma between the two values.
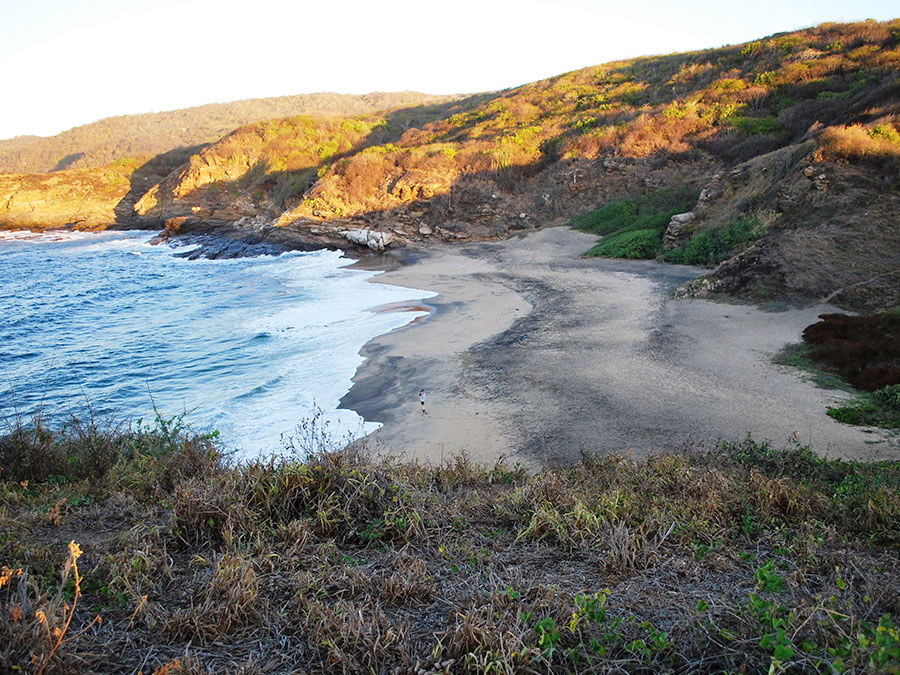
x=538, y=355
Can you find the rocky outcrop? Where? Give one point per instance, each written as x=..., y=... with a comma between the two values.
x=77, y=198
x=679, y=229
x=377, y=241
x=682, y=225
x=828, y=230
x=736, y=274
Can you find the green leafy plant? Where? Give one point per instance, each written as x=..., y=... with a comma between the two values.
x=633, y=227
x=711, y=246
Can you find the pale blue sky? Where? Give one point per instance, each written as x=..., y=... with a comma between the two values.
x=70, y=62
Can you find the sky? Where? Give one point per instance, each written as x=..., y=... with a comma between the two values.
x=72, y=62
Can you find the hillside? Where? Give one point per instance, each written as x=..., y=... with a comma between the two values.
x=785, y=153
x=107, y=140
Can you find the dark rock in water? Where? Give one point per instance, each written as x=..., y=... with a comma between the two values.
x=215, y=240
x=221, y=247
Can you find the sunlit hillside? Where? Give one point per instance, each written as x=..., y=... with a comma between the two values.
x=114, y=138
x=776, y=160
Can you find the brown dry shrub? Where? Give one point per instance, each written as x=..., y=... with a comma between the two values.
x=868, y=33
x=593, y=145
x=37, y=629
x=24, y=639
x=697, y=74
x=408, y=584
x=355, y=637
x=415, y=137
x=887, y=59
x=523, y=111
x=827, y=65
x=857, y=141
x=439, y=163
x=651, y=134
x=364, y=175
x=792, y=73
x=228, y=602
x=754, y=96
x=778, y=498
x=864, y=350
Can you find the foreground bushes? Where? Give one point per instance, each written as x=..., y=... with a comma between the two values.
x=864, y=350
x=740, y=557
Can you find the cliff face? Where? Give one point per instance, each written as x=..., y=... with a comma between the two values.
x=80, y=198
x=796, y=132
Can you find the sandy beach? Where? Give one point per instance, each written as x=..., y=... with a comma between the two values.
x=537, y=355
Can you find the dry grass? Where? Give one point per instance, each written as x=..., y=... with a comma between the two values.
x=856, y=141
x=342, y=563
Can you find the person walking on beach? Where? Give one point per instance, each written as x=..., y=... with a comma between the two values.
x=422, y=399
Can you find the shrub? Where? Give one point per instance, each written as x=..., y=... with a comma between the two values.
x=757, y=125
x=636, y=244
x=710, y=247
x=864, y=350
x=885, y=132
x=649, y=211
x=856, y=141
x=89, y=450
x=881, y=408
x=888, y=397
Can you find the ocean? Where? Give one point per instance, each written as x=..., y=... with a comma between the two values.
x=109, y=327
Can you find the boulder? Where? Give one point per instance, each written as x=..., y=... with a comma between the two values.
x=678, y=229
x=377, y=241
x=712, y=191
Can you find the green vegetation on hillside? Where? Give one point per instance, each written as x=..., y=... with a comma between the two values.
x=712, y=245
x=150, y=134
x=180, y=561
x=634, y=227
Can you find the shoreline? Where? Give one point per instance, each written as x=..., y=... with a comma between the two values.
x=538, y=355
x=429, y=352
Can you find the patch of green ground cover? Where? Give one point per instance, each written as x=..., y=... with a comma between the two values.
x=711, y=246
x=633, y=227
x=880, y=408
x=745, y=556
x=797, y=355
x=634, y=244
